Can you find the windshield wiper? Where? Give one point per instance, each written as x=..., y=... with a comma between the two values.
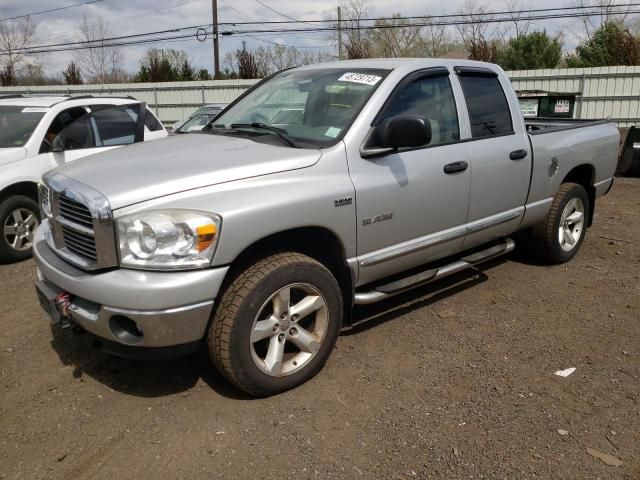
x=280, y=132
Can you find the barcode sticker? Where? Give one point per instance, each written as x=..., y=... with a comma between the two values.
x=332, y=132
x=360, y=78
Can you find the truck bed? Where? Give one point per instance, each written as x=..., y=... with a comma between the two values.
x=547, y=125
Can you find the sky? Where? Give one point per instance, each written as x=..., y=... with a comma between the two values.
x=138, y=16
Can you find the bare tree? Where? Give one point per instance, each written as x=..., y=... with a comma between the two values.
x=100, y=62
x=357, y=43
x=520, y=23
x=271, y=59
x=436, y=41
x=389, y=40
x=15, y=39
x=478, y=35
x=600, y=12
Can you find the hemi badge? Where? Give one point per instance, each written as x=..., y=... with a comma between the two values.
x=341, y=202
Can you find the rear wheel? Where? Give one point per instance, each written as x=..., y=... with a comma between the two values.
x=558, y=238
x=19, y=218
x=276, y=324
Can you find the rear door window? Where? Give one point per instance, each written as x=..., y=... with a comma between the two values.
x=104, y=128
x=487, y=104
x=116, y=126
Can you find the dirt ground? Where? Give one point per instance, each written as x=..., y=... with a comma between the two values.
x=451, y=381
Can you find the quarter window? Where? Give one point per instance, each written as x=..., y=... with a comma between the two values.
x=151, y=122
x=431, y=97
x=489, y=112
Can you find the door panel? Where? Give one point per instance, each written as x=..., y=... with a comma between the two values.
x=428, y=209
x=409, y=209
x=499, y=187
x=500, y=159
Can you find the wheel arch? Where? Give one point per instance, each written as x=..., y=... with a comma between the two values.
x=584, y=175
x=319, y=243
x=27, y=188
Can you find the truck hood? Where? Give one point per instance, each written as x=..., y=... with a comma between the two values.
x=149, y=170
x=13, y=154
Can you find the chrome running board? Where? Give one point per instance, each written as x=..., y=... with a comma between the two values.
x=388, y=290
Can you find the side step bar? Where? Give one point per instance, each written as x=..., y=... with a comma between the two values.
x=383, y=292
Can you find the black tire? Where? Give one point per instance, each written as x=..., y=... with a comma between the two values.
x=8, y=254
x=229, y=334
x=545, y=242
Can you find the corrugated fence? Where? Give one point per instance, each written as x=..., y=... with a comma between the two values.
x=606, y=92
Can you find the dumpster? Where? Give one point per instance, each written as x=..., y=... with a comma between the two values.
x=541, y=104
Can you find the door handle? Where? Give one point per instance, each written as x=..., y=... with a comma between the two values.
x=518, y=154
x=455, y=167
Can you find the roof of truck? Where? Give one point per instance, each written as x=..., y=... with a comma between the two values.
x=391, y=63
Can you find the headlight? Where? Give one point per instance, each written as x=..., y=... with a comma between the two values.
x=168, y=239
x=45, y=200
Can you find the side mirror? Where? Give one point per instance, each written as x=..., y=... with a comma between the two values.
x=401, y=131
x=58, y=144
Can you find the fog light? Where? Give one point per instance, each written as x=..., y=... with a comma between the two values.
x=125, y=330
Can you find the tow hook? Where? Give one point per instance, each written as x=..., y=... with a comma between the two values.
x=63, y=304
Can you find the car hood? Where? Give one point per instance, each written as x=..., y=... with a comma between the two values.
x=13, y=154
x=149, y=170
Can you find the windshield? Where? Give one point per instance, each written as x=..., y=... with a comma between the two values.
x=312, y=106
x=18, y=123
x=196, y=123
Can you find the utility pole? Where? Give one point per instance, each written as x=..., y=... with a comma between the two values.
x=216, y=52
x=339, y=33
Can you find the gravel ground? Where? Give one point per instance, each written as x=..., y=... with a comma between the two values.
x=451, y=381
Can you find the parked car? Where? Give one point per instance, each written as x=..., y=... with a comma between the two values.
x=261, y=239
x=28, y=127
x=199, y=118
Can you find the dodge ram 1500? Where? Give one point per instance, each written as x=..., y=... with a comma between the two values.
x=258, y=236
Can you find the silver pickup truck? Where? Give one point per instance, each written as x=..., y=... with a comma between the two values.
x=321, y=188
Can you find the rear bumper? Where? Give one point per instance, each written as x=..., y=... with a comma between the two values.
x=166, y=308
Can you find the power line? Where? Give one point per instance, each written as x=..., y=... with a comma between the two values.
x=98, y=43
x=278, y=44
x=275, y=11
x=597, y=11
x=117, y=41
x=255, y=22
x=132, y=17
x=237, y=11
x=57, y=9
x=280, y=13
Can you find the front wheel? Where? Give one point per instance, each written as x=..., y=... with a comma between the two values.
x=19, y=218
x=558, y=238
x=276, y=324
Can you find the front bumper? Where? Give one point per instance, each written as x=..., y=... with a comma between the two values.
x=167, y=308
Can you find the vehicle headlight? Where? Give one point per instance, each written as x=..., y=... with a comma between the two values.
x=45, y=200
x=168, y=239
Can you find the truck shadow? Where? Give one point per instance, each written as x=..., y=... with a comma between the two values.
x=180, y=375
x=142, y=379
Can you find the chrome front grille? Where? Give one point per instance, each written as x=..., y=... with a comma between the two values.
x=75, y=211
x=80, y=243
x=82, y=227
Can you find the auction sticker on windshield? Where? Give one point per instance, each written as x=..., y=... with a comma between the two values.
x=360, y=78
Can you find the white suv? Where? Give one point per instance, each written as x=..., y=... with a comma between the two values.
x=38, y=133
